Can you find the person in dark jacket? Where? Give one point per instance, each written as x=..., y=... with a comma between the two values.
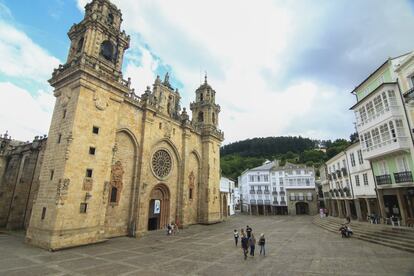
x=244, y=244
x=252, y=244
x=248, y=231
x=262, y=242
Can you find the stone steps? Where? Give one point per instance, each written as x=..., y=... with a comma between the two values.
x=384, y=235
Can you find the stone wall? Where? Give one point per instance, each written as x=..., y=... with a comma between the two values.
x=312, y=205
x=19, y=182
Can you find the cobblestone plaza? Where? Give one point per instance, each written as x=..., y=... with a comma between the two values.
x=294, y=247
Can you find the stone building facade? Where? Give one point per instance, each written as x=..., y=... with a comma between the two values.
x=117, y=163
x=19, y=180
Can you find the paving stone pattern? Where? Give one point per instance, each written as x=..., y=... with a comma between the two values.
x=294, y=247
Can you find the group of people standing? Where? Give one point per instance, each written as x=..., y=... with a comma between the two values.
x=172, y=228
x=248, y=241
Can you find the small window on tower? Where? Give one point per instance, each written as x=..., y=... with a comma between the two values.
x=114, y=195
x=89, y=172
x=160, y=125
x=52, y=172
x=64, y=114
x=213, y=116
x=95, y=130
x=92, y=150
x=190, y=193
x=110, y=19
x=201, y=97
x=107, y=50
x=59, y=138
x=80, y=45
x=200, y=117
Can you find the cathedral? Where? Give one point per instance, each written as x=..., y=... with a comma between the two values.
x=116, y=163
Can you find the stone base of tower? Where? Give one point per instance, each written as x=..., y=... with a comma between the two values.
x=62, y=239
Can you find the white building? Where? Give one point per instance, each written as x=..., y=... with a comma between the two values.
x=227, y=188
x=362, y=180
x=264, y=189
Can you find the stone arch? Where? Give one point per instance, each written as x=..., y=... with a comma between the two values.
x=159, y=207
x=172, y=147
x=192, y=189
x=108, y=50
x=302, y=208
x=121, y=192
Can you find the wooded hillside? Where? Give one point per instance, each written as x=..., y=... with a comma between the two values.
x=239, y=156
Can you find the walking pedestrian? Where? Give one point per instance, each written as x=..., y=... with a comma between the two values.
x=244, y=245
x=262, y=242
x=248, y=231
x=236, y=236
x=252, y=244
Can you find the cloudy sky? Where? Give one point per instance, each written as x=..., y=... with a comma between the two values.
x=279, y=67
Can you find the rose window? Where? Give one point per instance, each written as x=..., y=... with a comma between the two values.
x=161, y=163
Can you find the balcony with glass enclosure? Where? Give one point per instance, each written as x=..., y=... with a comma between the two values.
x=387, y=138
x=384, y=104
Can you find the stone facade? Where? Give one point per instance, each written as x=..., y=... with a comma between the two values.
x=117, y=163
x=302, y=201
x=19, y=180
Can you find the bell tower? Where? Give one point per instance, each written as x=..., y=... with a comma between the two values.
x=99, y=35
x=205, y=110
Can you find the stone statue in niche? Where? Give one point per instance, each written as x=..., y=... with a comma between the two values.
x=191, y=179
x=117, y=173
x=62, y=191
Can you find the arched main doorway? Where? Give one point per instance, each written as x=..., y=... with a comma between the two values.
x=302, y=208
x=159, y=207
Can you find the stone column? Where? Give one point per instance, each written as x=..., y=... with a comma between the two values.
x=368, y=206
x=401, y=203
x=338, y=203
x=381, y=203
x=358, y=209
x=347, y=208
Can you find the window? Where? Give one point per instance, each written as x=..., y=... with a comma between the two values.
x=392, y=130
x=59, y=138
x=400, y=128
x=376, y=137
x=292, y=197
x=114, y=195
x=89, y=172
x=352, y=159
x=307, y=182
x=392, y=98
x=357, y=180
x=92, y=150
x=378, y=104
x=382, y=165
x=281, y=181
x=160, y=126
x=360, y=159
x=213, y=116
x=266, y=178
x=107, y=50
x=200, y=117
x=95, y=130
x=363, y=114
x=365, y=176
x=43, y=213
x=83, y=207
x=368, y=141
x=190, y=193
x=370, y=110
x=251, y=178
x=385, y=100
x=80, y=45
x=52, y=172
x=402, y=164
x=64, y=114
x=385, y=134
x=412, y=81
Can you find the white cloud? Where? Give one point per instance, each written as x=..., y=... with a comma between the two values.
x=23, y=115
x=247, y=48
x=22, y=58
